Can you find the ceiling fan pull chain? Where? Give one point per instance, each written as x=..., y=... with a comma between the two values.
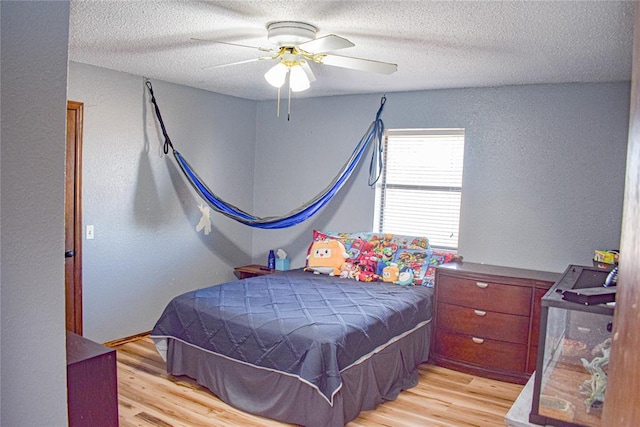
x=278, y=107
x=289, y=102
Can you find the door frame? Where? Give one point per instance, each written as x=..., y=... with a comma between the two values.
x=73, y=289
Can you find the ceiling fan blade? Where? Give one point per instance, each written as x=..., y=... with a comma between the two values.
x=262, y=49
x=308, y=71
x=238, y=62
x=358, y=64
x=326, y=44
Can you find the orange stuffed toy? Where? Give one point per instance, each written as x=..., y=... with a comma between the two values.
x=327, y=257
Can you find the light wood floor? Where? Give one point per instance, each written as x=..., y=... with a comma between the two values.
x=150, y=397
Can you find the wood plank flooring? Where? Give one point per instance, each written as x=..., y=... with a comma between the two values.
x=148, y=397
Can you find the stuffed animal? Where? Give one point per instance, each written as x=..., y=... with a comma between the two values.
x=327, y=257
x=406, y=277
x=391, y=273
x=385, y=258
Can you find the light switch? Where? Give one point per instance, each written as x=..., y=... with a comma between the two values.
x=89, y=232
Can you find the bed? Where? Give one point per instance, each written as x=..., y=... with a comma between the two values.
x=304, y=348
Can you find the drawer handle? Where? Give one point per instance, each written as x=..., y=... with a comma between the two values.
x=480, y=313
x=477, y=340
x=482, y=285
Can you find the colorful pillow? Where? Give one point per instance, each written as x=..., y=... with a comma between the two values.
x=393, y=258
x=438, y=257
x=416, y=260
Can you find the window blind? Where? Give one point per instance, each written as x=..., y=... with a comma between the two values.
x=420, y=188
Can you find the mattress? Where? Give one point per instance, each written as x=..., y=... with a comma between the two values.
x=309, y=328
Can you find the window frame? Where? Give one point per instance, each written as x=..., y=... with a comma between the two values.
x=382, y=185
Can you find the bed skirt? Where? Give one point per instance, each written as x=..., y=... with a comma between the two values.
x=274, y=395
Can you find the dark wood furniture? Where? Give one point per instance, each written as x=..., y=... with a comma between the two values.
x=92, y=387
x=621, y=402
x=487, y=319
x=251, y=270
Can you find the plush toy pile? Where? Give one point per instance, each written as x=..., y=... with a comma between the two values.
x=368, y=257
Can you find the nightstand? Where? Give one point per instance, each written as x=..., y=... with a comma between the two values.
x=251, y=270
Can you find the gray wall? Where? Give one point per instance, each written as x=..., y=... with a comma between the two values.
x=32, y=342
x=543, y=180
x=146, y=248
x=543, y=177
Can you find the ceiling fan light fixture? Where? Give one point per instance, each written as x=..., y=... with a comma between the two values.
x=290, y=33
x=298, y=79
x=276, y=75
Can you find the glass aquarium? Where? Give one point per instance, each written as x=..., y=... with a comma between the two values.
x=573, y=351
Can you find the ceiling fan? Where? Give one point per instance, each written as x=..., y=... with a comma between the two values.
x=296, y=46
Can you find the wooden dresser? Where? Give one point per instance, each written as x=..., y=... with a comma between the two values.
x=487, y=319
x=92, y=384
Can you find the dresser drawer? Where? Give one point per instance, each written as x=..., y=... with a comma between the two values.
x=487, y=353
x=484, y=295
x=483, y=324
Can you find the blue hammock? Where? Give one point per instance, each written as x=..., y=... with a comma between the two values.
x=373, y=135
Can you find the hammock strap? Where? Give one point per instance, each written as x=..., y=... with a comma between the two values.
x=167, y=140
x=375, y=166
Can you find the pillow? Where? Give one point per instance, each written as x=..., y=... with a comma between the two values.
x=437, y=257
x=369, y=254
x=416, y=260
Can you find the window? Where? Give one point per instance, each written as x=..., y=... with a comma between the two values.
x=420, y=188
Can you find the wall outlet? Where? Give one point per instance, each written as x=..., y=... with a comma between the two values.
x=89, y=232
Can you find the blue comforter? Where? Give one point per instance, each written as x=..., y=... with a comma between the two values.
x=302, y=324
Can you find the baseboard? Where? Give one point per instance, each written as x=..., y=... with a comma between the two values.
x=128, y=339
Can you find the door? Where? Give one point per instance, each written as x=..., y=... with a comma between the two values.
x=73, y=219
x=621, y=399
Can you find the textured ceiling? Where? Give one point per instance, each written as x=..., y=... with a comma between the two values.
x=450, y=44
